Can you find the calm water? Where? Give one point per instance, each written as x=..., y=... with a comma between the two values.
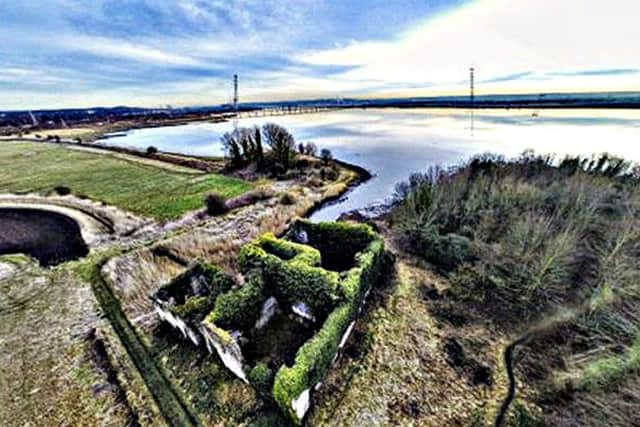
x=393, y=143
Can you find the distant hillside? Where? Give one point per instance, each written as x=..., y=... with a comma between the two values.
x=550, y=100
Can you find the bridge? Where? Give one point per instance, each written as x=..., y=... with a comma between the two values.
x=286, y=110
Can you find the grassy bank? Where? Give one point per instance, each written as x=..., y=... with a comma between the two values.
x=140, y=187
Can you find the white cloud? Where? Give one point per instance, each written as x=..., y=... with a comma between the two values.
x=501, y=37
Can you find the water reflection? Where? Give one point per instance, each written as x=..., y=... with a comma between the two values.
x=392, y=143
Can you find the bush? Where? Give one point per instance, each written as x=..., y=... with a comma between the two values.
x=448, y=251
x=151, y=150
x=287, y=199
x=326, y=156
x=216, y=204
x=261, y=378
x=62, y=190
x=524, y=234
x=329, y=173
x=310, y=149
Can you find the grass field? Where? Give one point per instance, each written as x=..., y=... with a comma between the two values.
x=138, y=187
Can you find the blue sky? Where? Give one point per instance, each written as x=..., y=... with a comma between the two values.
x=62, y=53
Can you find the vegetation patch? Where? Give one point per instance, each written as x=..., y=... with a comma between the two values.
x=141, y=188
x=282, y=328
x=547, y=246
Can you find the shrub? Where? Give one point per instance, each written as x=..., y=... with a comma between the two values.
x=326, y=156
x=287, y=199
x=448, y=251
x=261, y=378
x=151, y=150
x=302, y=163
x=310, y=149
x=216, y=204
x=524, y=234
x=329, y=173
x=62, y=190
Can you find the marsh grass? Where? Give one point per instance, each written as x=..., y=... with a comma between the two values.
x=523, y=233
x=543, y=236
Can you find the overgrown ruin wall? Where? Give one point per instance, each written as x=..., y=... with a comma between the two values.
x=292, y=277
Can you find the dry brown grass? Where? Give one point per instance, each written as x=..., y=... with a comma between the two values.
x=49, y=375
x=395, y=371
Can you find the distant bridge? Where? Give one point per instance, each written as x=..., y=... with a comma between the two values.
x=286, y=111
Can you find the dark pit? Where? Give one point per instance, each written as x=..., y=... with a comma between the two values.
x=49, y=237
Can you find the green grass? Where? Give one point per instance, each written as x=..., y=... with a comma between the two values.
x=142, y=188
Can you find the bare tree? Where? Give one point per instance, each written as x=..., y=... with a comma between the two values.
x=281, y=142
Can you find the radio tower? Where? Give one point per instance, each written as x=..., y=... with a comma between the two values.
x=472, y=94
x=235, y=92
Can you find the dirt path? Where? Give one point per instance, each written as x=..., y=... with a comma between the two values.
x=509, y=365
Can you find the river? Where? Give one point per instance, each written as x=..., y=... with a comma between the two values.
x=392, y=143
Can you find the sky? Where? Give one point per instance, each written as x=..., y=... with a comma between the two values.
x=81, y=53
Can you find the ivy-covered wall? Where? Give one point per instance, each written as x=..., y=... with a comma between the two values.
x=331, y=273
x=292, y=385
x=192, y=294
x=291, y=273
